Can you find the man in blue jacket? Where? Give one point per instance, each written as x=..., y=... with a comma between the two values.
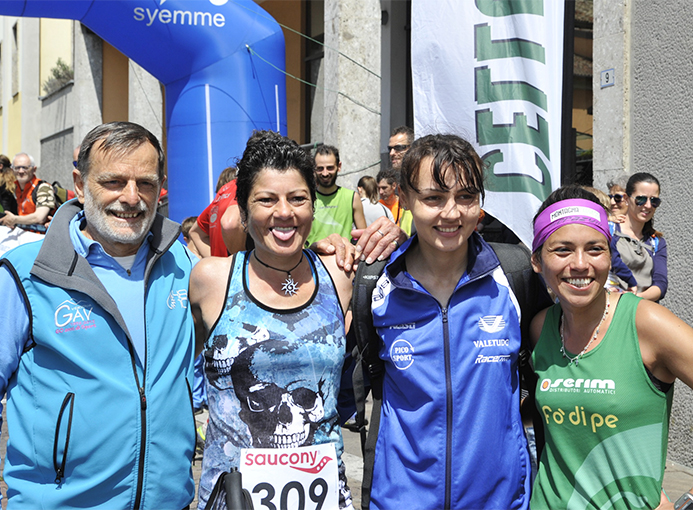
x=96, y=352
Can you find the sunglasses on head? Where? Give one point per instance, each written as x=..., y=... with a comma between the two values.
x=617, y=197
x=641, y=200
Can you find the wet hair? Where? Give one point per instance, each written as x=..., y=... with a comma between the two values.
x=328, y=150
x=227, y=175
x=119, y=139
x=648, y=229
x=404, y=130
x=389, y=175
x=370, y=187
x=187, y=224
x=268, y=149
x=565, y=193
x=450, y=153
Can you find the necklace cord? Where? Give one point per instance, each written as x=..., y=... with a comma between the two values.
x=594, y=336
x=288, y=272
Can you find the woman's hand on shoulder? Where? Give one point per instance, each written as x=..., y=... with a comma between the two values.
x=666, y=343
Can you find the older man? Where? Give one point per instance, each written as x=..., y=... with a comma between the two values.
x=96, y=356
x=35, y=199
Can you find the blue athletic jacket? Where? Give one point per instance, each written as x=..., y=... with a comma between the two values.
x=90, y=426
x=450, y=432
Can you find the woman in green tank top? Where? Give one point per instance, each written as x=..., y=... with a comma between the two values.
x=606, y=363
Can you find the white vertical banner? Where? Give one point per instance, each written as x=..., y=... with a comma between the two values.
x=491, y=71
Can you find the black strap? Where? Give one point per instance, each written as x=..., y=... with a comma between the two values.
x=532, y=296
x=367, y=361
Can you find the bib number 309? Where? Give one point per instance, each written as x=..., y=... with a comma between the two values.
x=303, y=478
x=293, y=495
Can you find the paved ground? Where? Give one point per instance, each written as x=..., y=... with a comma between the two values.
x=677, y=478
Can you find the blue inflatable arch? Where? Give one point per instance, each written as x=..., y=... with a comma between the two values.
x=217, y=92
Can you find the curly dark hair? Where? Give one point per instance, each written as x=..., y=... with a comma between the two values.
x=268, y=149
x=449, y=153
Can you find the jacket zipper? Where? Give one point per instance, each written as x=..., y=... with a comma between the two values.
x=448, y=407
x=60, y=469
x=143, y=429
x=140, y=388
x=192, y=409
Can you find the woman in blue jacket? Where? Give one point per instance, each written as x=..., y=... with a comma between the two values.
x=450, y=431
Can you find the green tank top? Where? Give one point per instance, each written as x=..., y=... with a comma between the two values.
x=606, y=423
x=334, y=214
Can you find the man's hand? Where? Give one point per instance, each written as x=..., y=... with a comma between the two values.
x=340, y=247
x=9, y=220
x=379, y=240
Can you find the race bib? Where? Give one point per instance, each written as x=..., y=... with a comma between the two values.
x=303, y=478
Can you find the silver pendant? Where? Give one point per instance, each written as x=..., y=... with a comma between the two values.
x=290, y=287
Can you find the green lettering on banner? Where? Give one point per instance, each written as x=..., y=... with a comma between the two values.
x=516, y=182
x=517, y=132
x=487, y=49
x=498, y=8
x=488, y=92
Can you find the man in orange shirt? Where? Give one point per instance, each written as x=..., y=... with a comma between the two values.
x=35, y=199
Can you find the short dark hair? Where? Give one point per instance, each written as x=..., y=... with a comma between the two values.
x=449, y=153
x=565, y=193
x=268, y=149
x=388, y=174
x=328, y=150
x=404, y=130
x=187, y=224
x=227, y=175
x=119, y=138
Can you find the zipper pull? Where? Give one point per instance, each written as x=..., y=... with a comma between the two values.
x=143, y=399
x=445, y=314
x=58, y=476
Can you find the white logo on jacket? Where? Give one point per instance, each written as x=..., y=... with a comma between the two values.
x=491, y=323
x=402, y=354
x=177, y=297
x=73, y=315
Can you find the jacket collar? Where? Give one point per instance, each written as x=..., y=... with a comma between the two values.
x=482, y=260
x=57, y=262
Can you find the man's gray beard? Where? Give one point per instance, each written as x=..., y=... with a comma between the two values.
x=97, y=220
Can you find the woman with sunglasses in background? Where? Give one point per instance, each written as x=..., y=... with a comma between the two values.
x=617, y=197
x=637, y=243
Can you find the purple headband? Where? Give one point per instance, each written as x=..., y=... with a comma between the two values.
x=567, y=212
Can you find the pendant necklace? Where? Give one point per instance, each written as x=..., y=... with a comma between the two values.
x=290, y=287
x=576, y=359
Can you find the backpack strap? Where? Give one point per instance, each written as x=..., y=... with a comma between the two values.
x=532, y=296
x=369, y=367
